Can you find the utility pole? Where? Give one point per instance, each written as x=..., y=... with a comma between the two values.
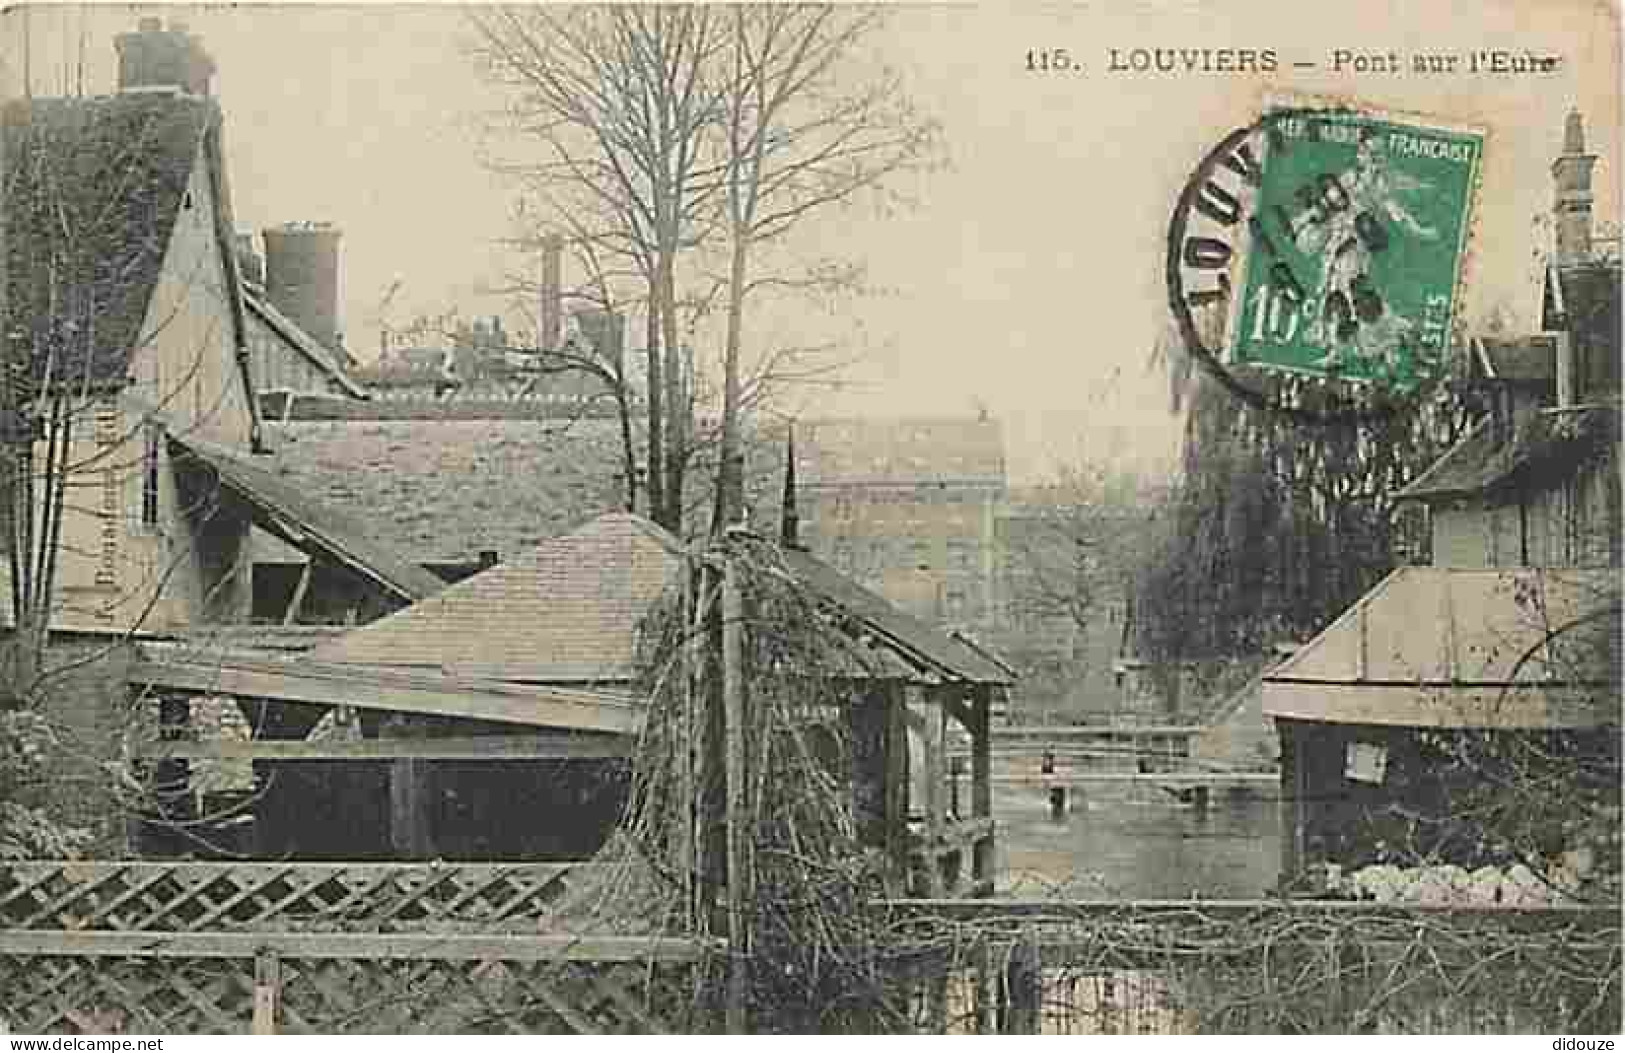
x=741, y=869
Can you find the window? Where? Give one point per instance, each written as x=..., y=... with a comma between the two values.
x=149, y=479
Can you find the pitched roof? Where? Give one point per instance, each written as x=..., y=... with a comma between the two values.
x=93, y=188
x=926, y=647
x=306, y=523
x=446, y=490
x=301, y=342
x=1486, y=460
x=1435, y=646
x=566, y=611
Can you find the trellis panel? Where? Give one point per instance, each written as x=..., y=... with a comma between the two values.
x=193, y=897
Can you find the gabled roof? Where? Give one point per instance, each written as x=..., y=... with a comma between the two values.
x=288, y=512
x=300, y=342
x=566, y=611
x=927, y=648
x=1442, y=647
x=93, y=188
x=1486, y=460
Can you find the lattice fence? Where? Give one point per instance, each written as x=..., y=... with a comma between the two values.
x=194, y=897
x=205, y=948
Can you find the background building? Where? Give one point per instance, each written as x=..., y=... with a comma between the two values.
x=910, y=509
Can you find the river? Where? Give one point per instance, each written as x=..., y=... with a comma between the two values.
x=1136, y=842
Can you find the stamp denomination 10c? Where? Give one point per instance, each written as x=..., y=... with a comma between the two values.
x=1329, y=241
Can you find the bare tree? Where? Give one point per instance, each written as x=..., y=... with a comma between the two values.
x=675, y=138
x=618, y=100
x=809, y=126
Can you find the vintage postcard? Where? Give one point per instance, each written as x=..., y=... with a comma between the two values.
x=949, y=518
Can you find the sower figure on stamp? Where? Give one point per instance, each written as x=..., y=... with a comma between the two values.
x=1342, y=223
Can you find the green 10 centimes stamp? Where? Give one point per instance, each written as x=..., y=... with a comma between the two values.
x=1328, y=242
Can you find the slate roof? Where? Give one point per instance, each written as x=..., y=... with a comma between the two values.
x=566, y=611
x=118, y=167
x=1544, y=445
x=446, y=490
x=301, y=342
x=293, y=514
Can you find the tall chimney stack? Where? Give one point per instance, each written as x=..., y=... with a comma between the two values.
x=551, y=319
x=155, y=57
x=1571, y=206
x=302, y=278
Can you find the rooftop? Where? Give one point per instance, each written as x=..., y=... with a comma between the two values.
x=446, y=490
x=1542, y=443
x=94, y=186
x=565, y=611
x=1442, y=647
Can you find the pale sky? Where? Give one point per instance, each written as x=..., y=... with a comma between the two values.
x=1029, y=274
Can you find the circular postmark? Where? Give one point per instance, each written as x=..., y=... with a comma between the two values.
x=1315, y=258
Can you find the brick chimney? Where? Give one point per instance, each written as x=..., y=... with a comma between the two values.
x=551, y=317
x=1571, y=206
x=155, y=57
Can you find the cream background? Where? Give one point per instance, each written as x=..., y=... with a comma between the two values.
x=1027, y=277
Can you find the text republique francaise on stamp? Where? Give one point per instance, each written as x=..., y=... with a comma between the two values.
x=1328, y=241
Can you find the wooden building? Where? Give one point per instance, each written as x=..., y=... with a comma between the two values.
x=1512, y=634
x=126, y=308
x=493, y=717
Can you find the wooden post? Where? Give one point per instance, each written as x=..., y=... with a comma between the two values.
x=931, y=743
x=740, y=865
x=172, y=778
x=1288, y=810
x=981, y=779
x=897, y=781
x=987, y=986
x=297, y=601
x=408, y=816
x=1024, y=978
x=267, y=992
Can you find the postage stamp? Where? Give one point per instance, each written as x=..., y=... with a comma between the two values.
x=1328, y=240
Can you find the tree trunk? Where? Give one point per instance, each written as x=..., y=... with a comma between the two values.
x=677, y=438
x=657, y=417
x=730, y=467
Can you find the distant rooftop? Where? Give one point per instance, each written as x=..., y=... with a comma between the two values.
x=900, y=451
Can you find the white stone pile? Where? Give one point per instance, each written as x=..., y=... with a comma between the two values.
x=1445, y=884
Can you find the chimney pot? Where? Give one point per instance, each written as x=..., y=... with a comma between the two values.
x=1574, y=136
x=152, y=57
x=552, y=309
x=1572, y=197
